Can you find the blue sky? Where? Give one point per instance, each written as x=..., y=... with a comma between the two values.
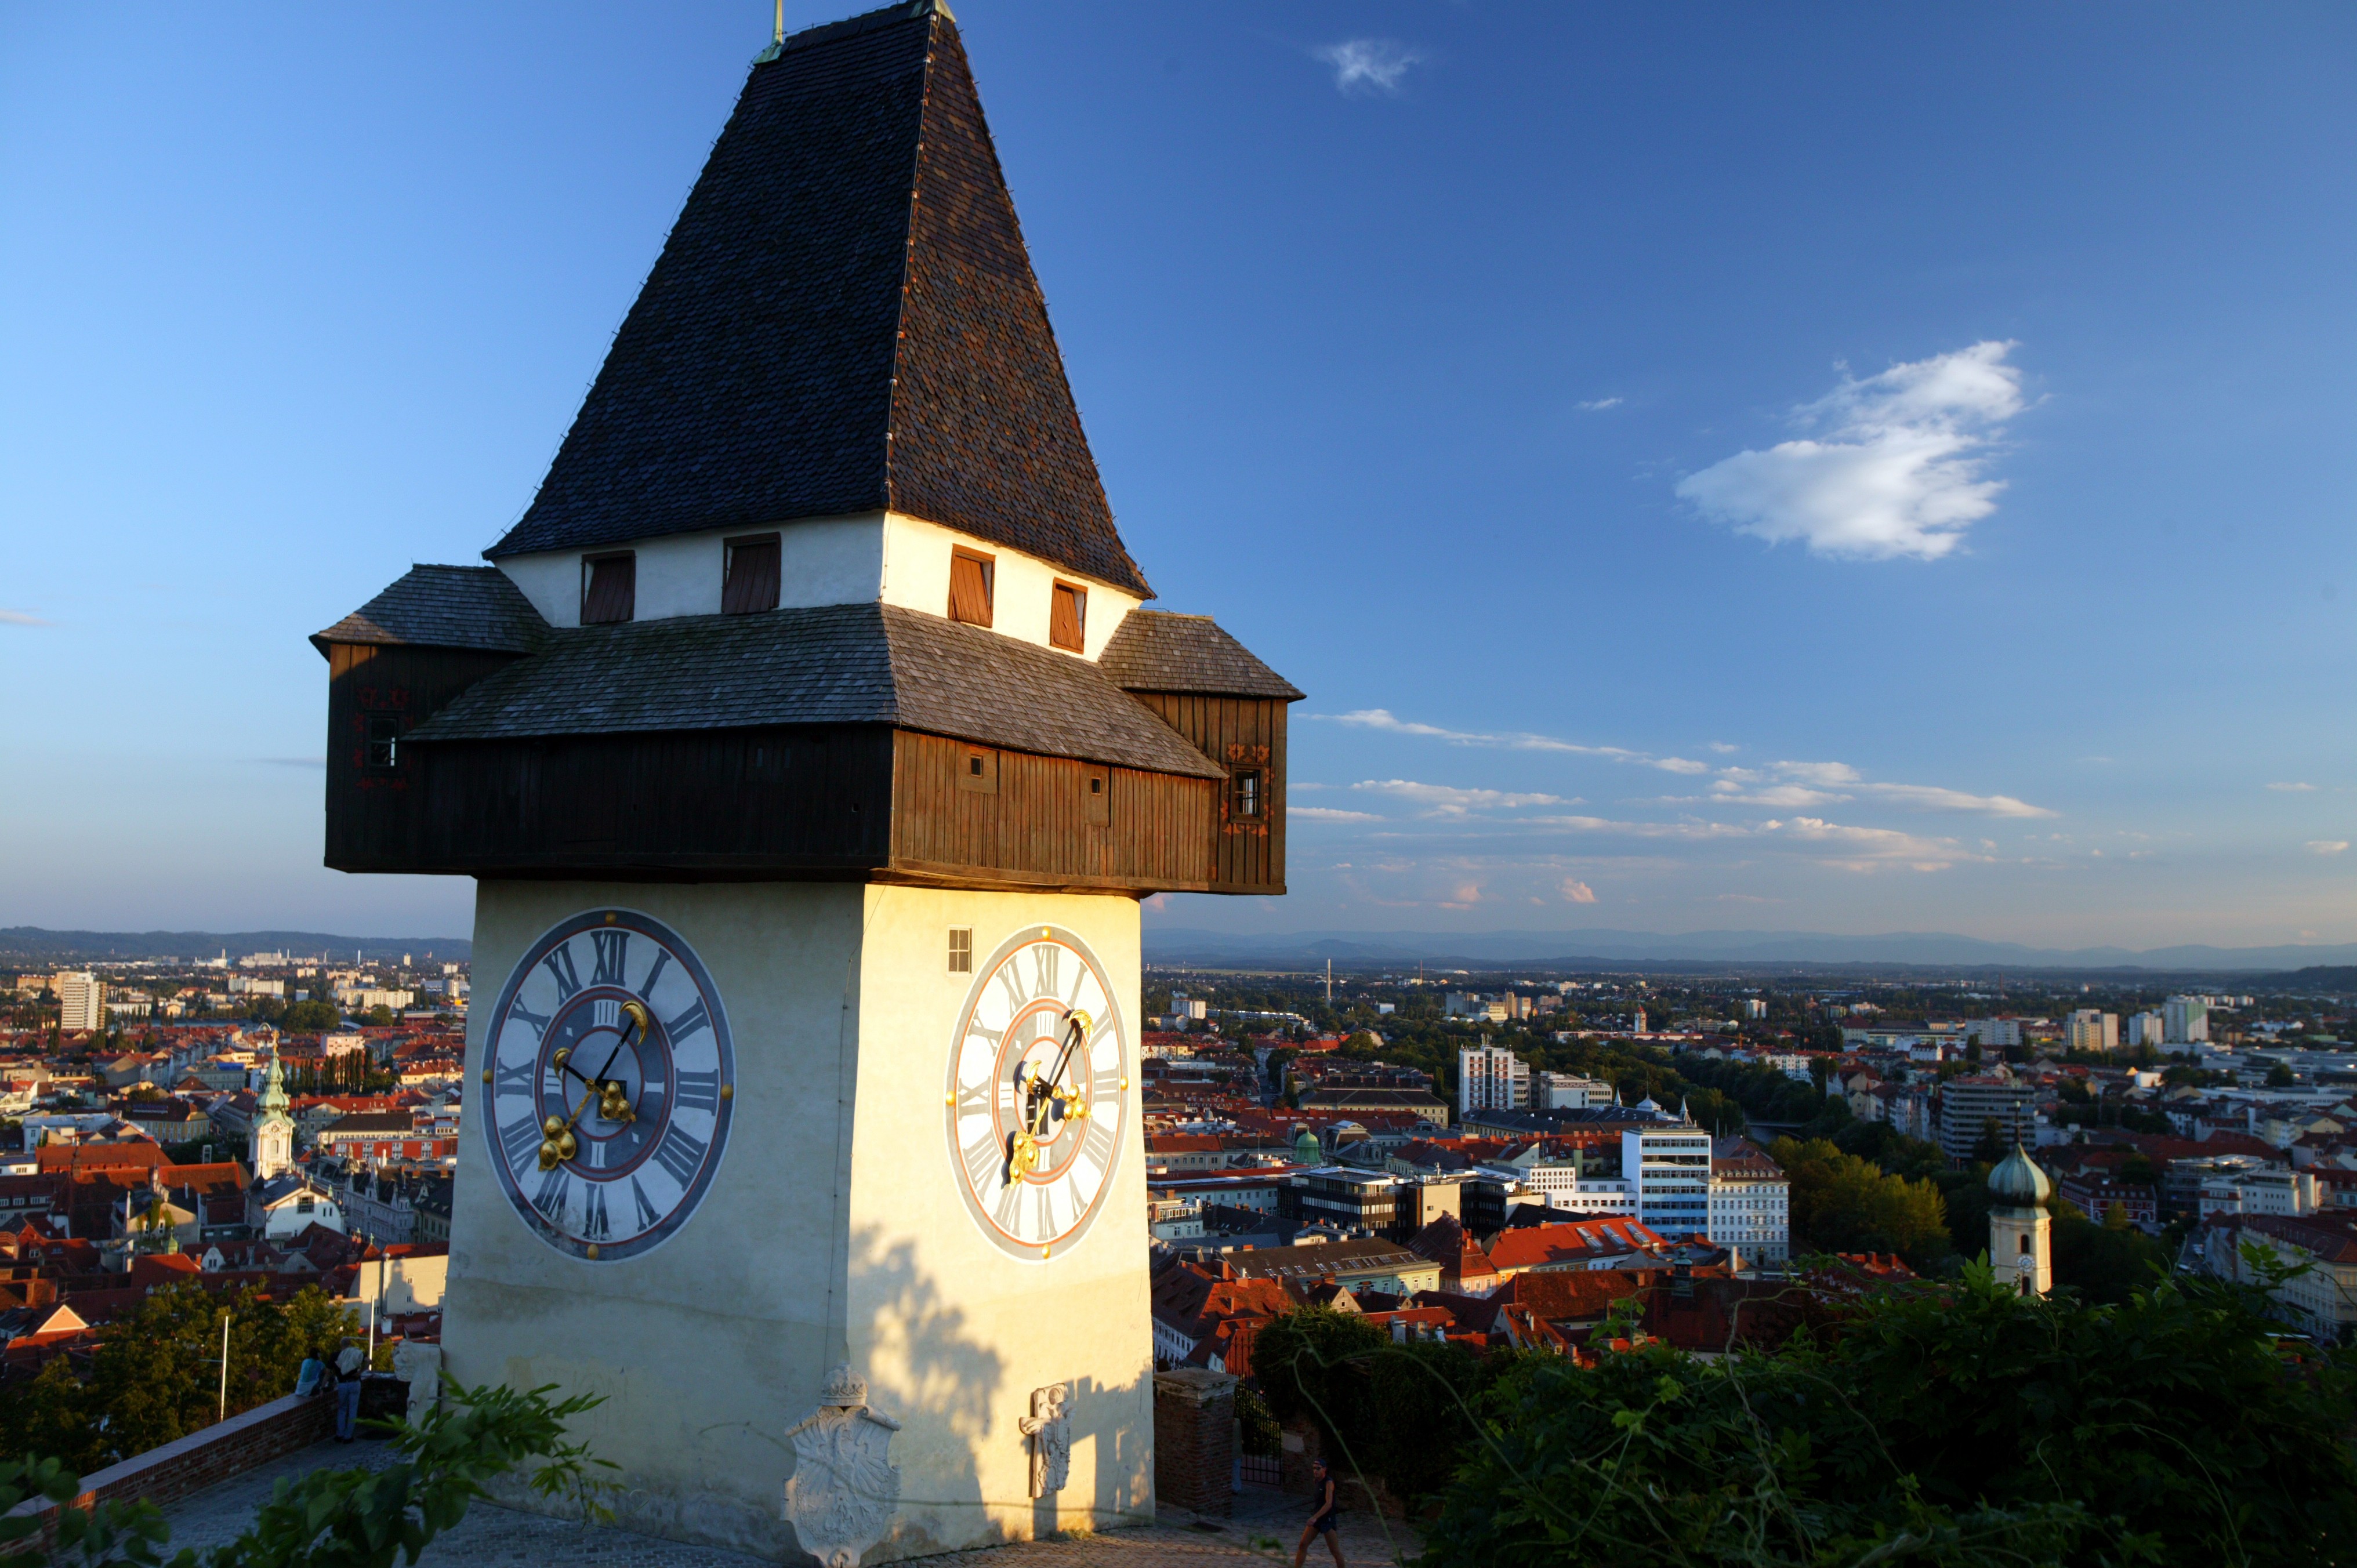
x=1836, y=468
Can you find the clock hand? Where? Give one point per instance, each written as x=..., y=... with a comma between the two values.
x=559, y=1144
x=1076, y=1028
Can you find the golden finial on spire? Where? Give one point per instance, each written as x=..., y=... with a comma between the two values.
x=777, y=38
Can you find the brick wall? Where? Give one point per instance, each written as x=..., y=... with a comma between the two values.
x=1195, y=1440
x=241, y=1443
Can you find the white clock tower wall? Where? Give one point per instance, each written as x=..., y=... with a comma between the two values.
x=709, y=1347
x=941, y=1319
x=834, y=1230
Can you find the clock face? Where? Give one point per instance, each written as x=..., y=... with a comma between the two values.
x=1037, y=1095
x=609, y=1077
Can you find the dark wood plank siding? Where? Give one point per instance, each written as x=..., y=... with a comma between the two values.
x=1033, y=829
x=801, y=801
x=372, y=811
x=1235, y=733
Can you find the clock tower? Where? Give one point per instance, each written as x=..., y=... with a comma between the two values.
x=811, y=746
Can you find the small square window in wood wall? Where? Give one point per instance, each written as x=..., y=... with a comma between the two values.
x=977, y=772
x=1096, y=796
x=1068, y=617
x=972, y=577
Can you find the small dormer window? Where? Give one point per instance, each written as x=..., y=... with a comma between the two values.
x=749, y=575
x=1068, y=617
x=609, y=588
x=973, y=576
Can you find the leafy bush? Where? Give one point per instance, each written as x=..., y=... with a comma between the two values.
x=1401, y=1413
x=335, y=1519
x=1961, y=1426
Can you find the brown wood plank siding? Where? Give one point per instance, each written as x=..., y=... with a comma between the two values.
x=1034, y=830
x=1237, y=732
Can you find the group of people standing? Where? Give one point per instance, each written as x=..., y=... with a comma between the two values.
x=342, y=1376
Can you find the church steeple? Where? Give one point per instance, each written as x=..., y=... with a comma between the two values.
x=269, y=1149
x=2020, y=1231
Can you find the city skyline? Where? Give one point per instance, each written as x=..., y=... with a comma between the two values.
x=1919, y=521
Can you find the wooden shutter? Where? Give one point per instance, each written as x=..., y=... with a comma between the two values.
x=969, y=585
x=751, y=583
x=612, y=590
x=1068, y=617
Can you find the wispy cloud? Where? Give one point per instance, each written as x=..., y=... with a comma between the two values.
x=2326, y=846
x=1600, y=405
x=1384, y=719
x=2294, y=789
x=1869, y=849
x=1792, y=785
x=1328, y=815
x=1722, y=747
x=1894, y=469
x=22, y=618
x=1368, y=65
x=1448, y=801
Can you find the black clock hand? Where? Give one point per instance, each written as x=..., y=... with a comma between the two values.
x=1075, y=1025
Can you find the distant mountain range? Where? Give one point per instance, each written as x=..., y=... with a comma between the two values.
x=32, y=945
x=1172, y=944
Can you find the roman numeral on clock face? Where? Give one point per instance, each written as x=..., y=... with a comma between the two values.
x=687, y=1023
x=593, y=1213
x=559, y=963
x=521, y=1141
x=648, y=1217
x=612, y=947
x=699, y=1091
x=679, y=1153
x=550, y=1198
x=512, y=1078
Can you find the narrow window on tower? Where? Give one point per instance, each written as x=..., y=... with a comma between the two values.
x=748, y=578
x=609, y=588
x=383, y=740
x=1096, y=793
x=1068, y=617
x=961, y=950
x=972, y=577
x=1244, y=800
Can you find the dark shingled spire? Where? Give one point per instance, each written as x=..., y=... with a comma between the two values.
x=844, y=319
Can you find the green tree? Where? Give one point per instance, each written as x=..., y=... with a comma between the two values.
x=2280, y=1076
x=1397, y=1411
x=378, y=1018
x=1961, y=1425
x=1990, y=1148
x=309, y=1017
x=1844, y=1203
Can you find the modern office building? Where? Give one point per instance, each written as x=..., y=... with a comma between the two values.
x=1490, y=1078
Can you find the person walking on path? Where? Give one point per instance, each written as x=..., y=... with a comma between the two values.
x=351, y=1366
x=1325, y=1517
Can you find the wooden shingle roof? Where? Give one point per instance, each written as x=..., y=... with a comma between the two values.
x=836, y=665
x=444, y=607
x=1157, y=650
x=843, y=320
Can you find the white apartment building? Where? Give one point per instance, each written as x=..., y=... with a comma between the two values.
x=1490, y=1078
x=1752, y=1008
x=2185, y=1021
x=2267, y=1190
x=2143, y=1029
x=1560, y=1182
x=1750, y=1201
x=1994, y=1034
x=250, y=985
x=82, y=1000
x=1567, y=1091
x=2094, y=1031
x=1669, y=1167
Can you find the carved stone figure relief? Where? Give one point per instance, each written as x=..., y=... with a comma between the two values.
x=845, y=1489
x=1049, y=1427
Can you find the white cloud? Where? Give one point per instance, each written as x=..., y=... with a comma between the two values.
x=2294, y=789
x=21, y=618
x=1368, y=64
x=1871, y=849
x=1832, y=777
x=1722, y=747
x=1777, y=797
x=1600, y=405
x=1444, y=799
x=1894, y=471
x=1384, y=719
x=1328, y=815
x=1577, y=892
x=2326, y=846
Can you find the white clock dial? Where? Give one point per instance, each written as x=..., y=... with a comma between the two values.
x=608, y=1078
x=1035, y=1107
